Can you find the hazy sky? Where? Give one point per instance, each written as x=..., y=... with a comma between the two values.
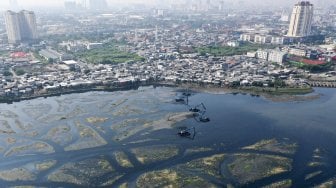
x=4, y=4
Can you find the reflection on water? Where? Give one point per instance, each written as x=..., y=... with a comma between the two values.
x=127, y=138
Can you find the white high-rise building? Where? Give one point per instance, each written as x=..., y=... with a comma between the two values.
x=21, y=27
x=301, y=20
x=28, y=25
x=12, y=27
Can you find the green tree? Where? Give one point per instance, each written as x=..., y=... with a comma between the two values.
x=20, y=72
x=7, y=73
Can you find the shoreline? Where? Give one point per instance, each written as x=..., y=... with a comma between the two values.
x=257, y=91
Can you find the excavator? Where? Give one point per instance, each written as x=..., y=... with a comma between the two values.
x=197, y=109
x=187, y=133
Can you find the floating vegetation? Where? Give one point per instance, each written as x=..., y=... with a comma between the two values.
x=274, y=145
x=150, y=154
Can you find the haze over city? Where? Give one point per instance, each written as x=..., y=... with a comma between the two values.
x=59, y=3
x=168, y=93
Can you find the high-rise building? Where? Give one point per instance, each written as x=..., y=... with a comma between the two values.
x=301, y=20
x=12, y=27
x=21, y=27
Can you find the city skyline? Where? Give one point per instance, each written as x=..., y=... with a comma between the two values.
x=60, y=3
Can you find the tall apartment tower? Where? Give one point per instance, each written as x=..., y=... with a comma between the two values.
x=12, y=27
x=21, y=27
x=301, y=20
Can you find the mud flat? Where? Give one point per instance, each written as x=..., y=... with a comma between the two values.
x=129, y=127
x=127, y=110
x=94, y=120
x=208, y=165
x=5, y=128
x=247, y=168
x=194, y=150
x=82, y=173
x=318, y=158
x=60, y=135
x=37, y=111
x=17, y=174
x=8, y=114
x=274, y=145
x=26, y=172
x=312, y=175
x=328, y=184
x=29, y=149
x=122, y=159
x=171, y=119
x=44, y=165
x=171, y=178
x=280, y=184
x=88, y=138
x=150, y=154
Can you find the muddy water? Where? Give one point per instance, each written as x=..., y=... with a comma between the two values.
x=44, y=129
